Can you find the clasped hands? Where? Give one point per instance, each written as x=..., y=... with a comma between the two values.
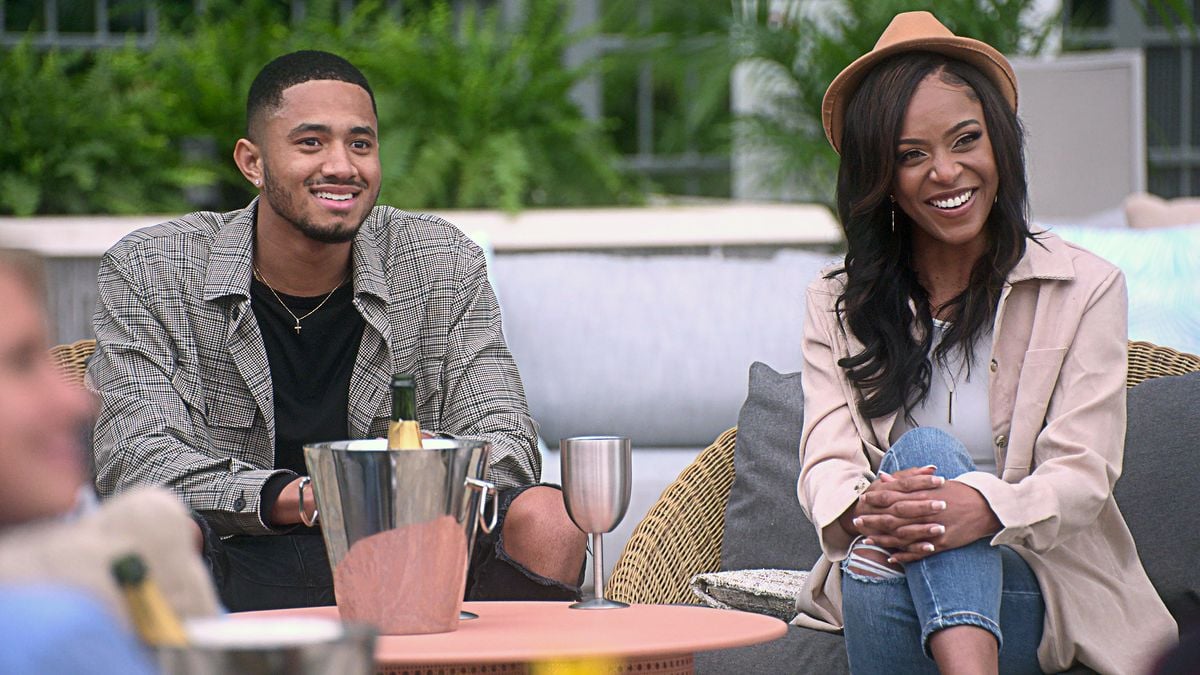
x=915, y=514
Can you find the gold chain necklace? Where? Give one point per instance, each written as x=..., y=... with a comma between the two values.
x=258, y=275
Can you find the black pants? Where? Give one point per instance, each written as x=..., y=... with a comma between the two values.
x=292, y=570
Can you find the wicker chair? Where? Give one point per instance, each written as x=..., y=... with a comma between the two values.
x=71, y=359
x=682, y=534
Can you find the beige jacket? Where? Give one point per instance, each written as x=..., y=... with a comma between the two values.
x=1057, y=399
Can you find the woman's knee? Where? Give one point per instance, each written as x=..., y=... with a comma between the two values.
x=925, y=446
x=880, y=622
x=870, y=598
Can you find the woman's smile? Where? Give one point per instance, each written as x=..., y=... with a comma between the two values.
x=954, y=202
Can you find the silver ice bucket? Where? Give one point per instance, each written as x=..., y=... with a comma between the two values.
x=399, y=526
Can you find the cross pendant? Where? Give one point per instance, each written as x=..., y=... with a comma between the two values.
x=296, y=328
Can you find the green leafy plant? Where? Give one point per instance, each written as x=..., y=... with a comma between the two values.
x=207, y=65
x=87, y=133
x=685, y=48
x=1171, y=14
x=475, y=110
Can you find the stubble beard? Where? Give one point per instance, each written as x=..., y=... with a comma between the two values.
x=283, y=204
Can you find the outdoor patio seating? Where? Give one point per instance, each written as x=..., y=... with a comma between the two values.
x=684, y=532
x=681, y=536
x=72, y=358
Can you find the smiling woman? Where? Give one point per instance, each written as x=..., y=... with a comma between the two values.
x=944, y=171
x=964, y=391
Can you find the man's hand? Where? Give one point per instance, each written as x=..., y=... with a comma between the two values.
x=286, y=510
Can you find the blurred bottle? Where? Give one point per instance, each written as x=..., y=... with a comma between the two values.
x=404, y=433
x=155, y=621
x=584, y=666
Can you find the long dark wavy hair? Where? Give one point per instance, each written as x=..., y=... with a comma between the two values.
x=881, y=292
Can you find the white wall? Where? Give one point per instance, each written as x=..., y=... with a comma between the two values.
x=1085, y=131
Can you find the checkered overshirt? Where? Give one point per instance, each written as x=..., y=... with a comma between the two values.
x=182, y=375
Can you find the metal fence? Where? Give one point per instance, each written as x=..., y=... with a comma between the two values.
x=1172, y=92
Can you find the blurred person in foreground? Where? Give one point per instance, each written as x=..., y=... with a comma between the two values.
x=226, y=341
x=964, y=385
x=60, y=609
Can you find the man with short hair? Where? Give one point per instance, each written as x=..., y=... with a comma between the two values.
x=226, y=341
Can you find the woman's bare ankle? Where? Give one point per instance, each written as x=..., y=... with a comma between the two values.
x=965, y=650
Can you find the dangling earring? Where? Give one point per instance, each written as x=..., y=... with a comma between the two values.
x=893, y=213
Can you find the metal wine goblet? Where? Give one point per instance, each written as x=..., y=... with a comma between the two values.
x=596, y=483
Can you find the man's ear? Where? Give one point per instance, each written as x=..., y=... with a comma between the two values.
x=248, y=158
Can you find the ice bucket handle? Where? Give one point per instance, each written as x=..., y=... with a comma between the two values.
x=486, y=488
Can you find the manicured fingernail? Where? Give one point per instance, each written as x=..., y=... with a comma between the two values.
x=937, y=529
x=938, y=505
x=892, y=560
x=858, y=521
x=869, y=541
x=929, y=466
x=938, y=480
x=884, y=473
x=928, y=548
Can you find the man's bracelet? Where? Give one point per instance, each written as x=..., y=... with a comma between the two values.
x=304, y=482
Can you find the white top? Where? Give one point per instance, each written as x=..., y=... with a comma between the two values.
x=958, y=404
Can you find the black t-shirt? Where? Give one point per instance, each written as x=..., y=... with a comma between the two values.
x=310, y=370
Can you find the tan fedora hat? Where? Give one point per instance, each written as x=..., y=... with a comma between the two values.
x=913, y=32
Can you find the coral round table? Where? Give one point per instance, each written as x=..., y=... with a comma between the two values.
x=546, y=637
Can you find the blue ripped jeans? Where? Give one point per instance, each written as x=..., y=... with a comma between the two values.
x=889, y=620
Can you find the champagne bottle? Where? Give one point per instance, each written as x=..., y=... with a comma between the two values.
x=155, y=621
x=404, y=433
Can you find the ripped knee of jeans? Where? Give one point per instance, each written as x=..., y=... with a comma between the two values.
x=870, y=563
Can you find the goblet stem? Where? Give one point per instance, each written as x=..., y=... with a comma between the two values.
x=598, y=564
x=598, y=602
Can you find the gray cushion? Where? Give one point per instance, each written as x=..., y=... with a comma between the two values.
x=1157, y=490
x=652, y=345
x=766, y=528
x=764, y=525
